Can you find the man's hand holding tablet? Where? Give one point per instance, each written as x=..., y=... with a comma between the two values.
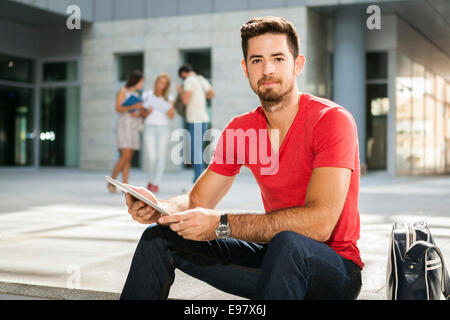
x=142, y=203
x=139, y=210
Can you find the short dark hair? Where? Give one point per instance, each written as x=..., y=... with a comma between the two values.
x=185, y=68
x=133, y=78
x=270, y=24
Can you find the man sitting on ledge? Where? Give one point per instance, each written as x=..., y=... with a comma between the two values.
x=303, y=153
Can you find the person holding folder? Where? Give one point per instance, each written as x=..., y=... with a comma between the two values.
x=129, y=106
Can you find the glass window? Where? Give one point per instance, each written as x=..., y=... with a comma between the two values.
x=403, y=114
x=200, y=60
x=16, y=69
x=128, y=63
x=376, y=65
x=440, y=88
x=447, y=136
x=430, y=141
x=430, y=84
x=418, y=142
x=59, y=136
x=378, y=108
x=440, y=137
x=16, y=126
x=60, y=71
x=447, y=92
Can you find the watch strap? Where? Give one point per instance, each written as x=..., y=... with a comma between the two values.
x=224, y=219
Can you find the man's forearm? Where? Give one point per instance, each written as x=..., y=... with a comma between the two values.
x=263, y=227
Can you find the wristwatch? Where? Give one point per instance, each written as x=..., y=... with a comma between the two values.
x=223, y=229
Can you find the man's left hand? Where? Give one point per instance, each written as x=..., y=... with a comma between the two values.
x=197, y=224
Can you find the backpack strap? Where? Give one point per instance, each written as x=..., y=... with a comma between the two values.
x=416, y=252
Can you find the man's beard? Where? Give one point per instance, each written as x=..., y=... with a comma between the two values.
x=270, y=98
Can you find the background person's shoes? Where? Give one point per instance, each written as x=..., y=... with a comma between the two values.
x=152, y=187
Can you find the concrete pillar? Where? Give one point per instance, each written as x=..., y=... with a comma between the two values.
x=349, y=75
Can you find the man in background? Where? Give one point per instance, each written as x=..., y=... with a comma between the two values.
x=195, y=91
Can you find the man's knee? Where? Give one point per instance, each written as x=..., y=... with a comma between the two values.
x=158, y=234
x=154, y=233
x=292, y=243
x=151, y=232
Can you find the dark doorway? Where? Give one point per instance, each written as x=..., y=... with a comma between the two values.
x=200, y=60
x=16, y=126
x=377, y=108
x=127, y=63
x=59, y=136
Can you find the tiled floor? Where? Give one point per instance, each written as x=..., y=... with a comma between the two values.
x=61, y=228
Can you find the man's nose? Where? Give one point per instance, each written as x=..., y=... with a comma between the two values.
x=268, y=68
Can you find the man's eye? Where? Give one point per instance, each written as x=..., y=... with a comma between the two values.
x=278, y=59
x=256, y=61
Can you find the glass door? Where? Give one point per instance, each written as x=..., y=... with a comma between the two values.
x=59, y=138
x=16, y=126
x=16, y=111
x=59, y=114
x=377, y=108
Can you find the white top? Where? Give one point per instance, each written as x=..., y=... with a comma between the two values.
x=196, y=108
x=160, y=107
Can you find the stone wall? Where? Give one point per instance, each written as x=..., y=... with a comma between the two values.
x=160, y=40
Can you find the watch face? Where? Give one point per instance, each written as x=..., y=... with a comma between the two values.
x=223, y=231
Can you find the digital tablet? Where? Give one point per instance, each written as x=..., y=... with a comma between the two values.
x=136, y=194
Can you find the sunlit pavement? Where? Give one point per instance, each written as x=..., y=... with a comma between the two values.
x=62, y=229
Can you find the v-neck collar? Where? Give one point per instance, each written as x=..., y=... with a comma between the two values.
x=269, y=143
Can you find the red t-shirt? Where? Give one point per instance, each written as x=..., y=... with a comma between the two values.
x=323, y=134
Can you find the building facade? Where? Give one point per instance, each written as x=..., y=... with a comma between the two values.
x=58, y=86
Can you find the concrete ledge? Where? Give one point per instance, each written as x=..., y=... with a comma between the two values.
x=19, y=291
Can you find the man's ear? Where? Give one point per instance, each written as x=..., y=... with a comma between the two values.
x=244, y=68
x=299, y=64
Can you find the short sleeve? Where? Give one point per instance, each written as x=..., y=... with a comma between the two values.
x=189, y=84
x=224, y=160
x=205, y=84
x=335, y=140
x=146, y=98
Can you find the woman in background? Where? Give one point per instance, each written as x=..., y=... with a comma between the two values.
x=159, y=109
x=128, y=138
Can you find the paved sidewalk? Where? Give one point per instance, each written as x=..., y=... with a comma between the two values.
x=61, y=228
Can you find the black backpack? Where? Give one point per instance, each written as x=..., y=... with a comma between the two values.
x=416, y=268
x=180, y=108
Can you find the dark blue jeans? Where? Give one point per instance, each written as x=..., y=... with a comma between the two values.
x=291, y=266
x=197, y=131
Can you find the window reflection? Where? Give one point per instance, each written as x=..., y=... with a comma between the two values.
x=418, y=118
x=422, y=119
x=430, y=141
x=404, y=115
x=60, y=71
